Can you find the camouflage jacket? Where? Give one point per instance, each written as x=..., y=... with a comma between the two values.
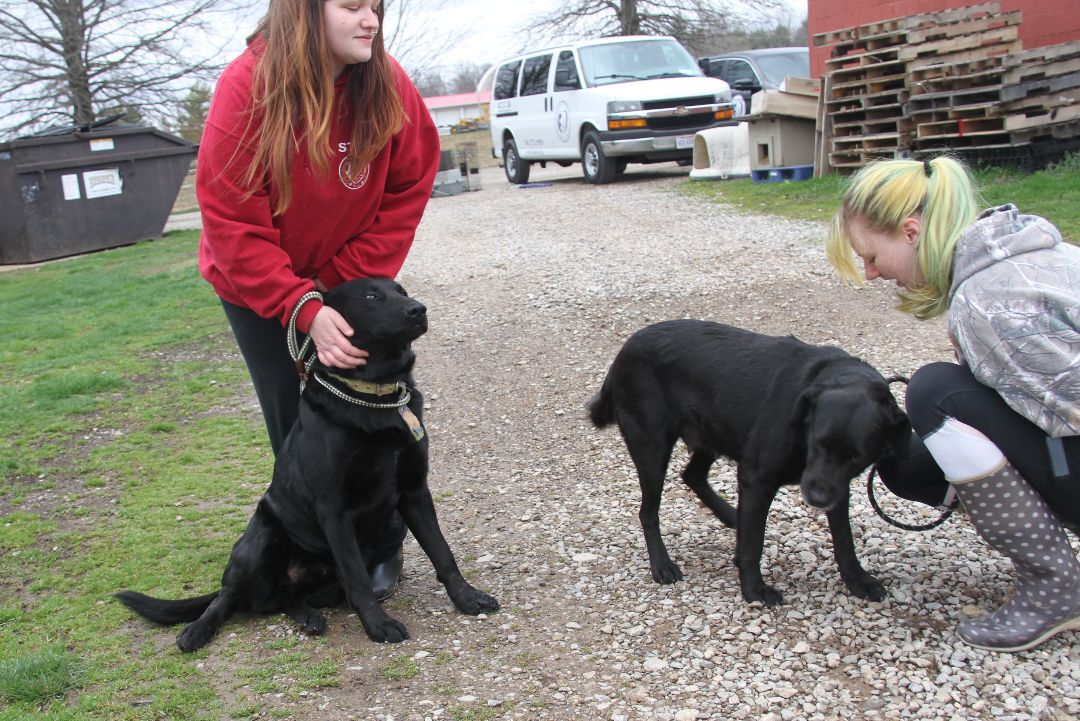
x=1014, y=315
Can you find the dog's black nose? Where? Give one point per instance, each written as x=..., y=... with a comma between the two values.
x=819, y=497
x=416, y=310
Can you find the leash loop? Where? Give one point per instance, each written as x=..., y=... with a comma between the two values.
x=877, y=509
x=298, y=350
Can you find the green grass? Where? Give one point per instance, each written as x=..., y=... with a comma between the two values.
x=112, y=384
x=39, y=677
x=1053, y=193
x=400, y=667
x=473, y=713
x=290, y=672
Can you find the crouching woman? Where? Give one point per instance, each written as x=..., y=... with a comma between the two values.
x=1000, y=429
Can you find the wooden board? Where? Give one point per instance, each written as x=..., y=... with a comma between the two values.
x=979, y=53
x=833, y=37
x=1054, y=84
x=966, y=26
x=1061, y=114
x=960, y=128
x=952, y=46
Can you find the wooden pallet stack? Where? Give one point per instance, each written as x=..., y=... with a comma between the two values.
x=955, y=79
x=998, y=102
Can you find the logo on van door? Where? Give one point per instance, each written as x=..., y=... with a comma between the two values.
x=562, y=121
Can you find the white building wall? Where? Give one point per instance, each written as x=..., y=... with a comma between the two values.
x=449, y=116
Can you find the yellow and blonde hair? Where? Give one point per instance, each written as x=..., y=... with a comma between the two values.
x=884, y=194
x=294, y=98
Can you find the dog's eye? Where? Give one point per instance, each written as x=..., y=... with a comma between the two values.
x=371, y=296
x=837, y=450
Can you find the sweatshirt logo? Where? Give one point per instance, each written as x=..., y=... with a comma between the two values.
x=345, y=174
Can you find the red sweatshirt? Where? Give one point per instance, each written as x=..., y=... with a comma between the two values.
x=334, y=228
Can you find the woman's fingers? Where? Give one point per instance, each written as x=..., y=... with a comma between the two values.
x=329, y=331
x=342, y=356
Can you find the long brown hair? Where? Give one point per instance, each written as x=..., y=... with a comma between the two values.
x=293, y=98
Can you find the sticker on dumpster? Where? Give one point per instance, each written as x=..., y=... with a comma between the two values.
x=101, y=144
x=100, y=183
x=71, y=186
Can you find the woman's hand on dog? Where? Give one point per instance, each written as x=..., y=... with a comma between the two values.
x=330, y=332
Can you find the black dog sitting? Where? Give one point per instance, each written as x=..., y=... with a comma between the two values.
x=785, y=411
x=342, y=468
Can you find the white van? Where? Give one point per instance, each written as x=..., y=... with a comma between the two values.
x=603, y=103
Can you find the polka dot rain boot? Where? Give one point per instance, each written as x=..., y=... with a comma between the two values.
x=1015, y=521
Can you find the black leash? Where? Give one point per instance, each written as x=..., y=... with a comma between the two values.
x=892, y=521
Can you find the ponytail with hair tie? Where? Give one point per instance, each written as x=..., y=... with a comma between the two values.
x=888, y=192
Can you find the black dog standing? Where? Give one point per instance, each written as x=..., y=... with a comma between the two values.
x=357, y=450
x=785, y=411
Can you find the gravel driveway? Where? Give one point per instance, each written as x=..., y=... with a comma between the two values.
x=531, y=291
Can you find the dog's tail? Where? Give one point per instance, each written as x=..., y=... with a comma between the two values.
x=601, y=411
x=165, y=612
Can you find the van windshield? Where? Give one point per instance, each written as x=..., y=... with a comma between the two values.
x=635, y=60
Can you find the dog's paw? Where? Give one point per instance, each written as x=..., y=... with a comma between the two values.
x=764, y=594
x=385, y=629
x=666, y=573
x=314, y=623
x=474, y=602
x=194, y=636
x=866, y=586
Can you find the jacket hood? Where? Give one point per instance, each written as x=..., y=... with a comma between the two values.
x=999, y=233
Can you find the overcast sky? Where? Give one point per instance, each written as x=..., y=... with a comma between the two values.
x=487, y=28
x=492, y=23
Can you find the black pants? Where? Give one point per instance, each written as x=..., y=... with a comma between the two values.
x=947, y=390
x=266, y=352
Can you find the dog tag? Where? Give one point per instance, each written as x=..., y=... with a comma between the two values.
x=412, y=422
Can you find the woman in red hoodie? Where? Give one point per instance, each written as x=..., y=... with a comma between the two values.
x=315, y=166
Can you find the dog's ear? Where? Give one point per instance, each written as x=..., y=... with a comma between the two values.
x=802, y=406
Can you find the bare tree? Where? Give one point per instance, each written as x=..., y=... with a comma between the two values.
x=692, y=22
x=419, y=33
x=781, y=34
x=464, y=77
x=65, y=61
x=430, y=83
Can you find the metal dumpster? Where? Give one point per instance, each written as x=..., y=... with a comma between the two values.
x=75, y=190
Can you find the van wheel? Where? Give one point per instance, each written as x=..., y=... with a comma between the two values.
x=599, y=168
x=517, y=170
